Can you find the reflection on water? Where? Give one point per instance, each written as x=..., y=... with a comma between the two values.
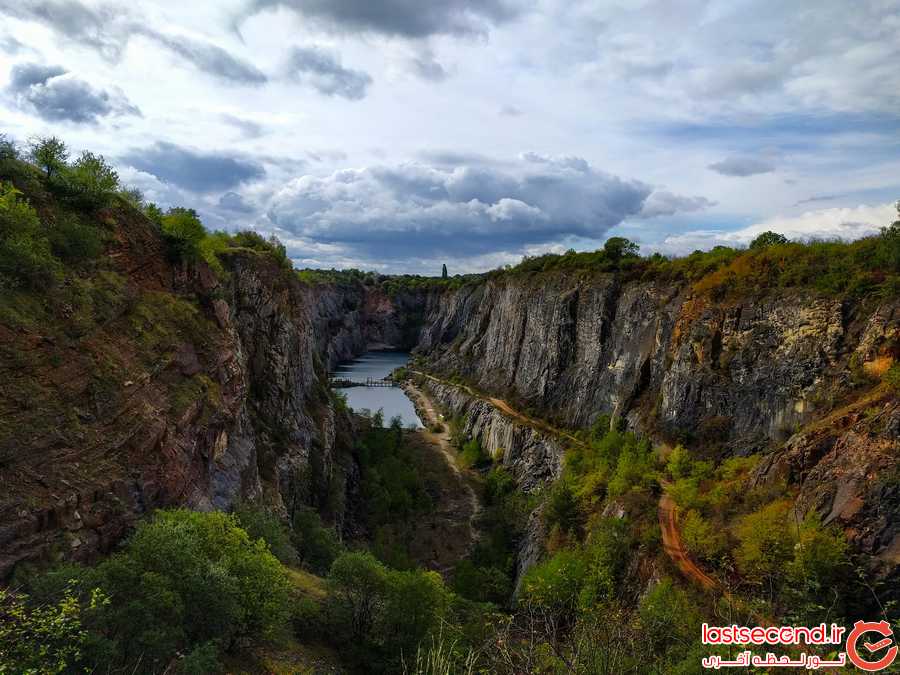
x=393, y=400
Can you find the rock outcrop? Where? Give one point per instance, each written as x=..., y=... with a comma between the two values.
x=747, y=370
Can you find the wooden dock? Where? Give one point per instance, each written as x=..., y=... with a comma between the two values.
x=368, y=382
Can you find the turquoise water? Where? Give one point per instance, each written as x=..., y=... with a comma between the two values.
x=392, y=400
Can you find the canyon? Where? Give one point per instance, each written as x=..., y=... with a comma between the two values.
x=231, y=404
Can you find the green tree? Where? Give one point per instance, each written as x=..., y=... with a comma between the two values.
x=700, y=537
x=263, y=524
x=8, y=149
x=443, y=271
x=767, y=239
x=185, y=579
x=25, y=255
x=562, y=511
x=91, y=180
x=184, y=232
x=43, y=639
x=50, y=154
x=679, y=462
x=618, y=248
x=765, y=543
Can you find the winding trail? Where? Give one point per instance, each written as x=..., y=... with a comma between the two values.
x=674, y=547
x=441, y=440
x=667, y=509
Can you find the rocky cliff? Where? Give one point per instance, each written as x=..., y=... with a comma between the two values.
x=790, y=373
x=747, y=370
x=142, y=384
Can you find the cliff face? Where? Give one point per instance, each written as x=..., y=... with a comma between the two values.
x=145, y=384
x=793, y=374
x=748, y=371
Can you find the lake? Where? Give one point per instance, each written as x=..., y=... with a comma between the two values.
x=392, y=400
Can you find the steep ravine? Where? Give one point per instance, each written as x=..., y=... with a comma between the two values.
x=727, y=376
x=732, y=375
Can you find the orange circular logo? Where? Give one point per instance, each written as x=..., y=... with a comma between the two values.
x=883, y=629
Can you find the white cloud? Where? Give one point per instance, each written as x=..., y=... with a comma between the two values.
x=834, y=223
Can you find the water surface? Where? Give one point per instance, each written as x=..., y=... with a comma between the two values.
x=392, y=400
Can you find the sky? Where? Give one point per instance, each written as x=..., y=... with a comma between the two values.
x=402, y=134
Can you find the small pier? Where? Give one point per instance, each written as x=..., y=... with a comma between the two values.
x=340, y=382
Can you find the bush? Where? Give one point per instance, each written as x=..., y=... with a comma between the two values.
x=317, y=546
x=701, y=538
x=765, y=542
x=679, y=462
x=381, y=614
x=183, y=232
x=820, y=556
x=555, y=584
x=73, y=241
x=25, y=255
x=608, y=551
x=561, y=510
x=184, y=580
x=90, y=182
x=472, y=454
x=43, y=639
x=262, y=524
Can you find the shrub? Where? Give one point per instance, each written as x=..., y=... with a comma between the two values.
x=43, y=639
x=317, y=546
x=25, y=255
x=679, y=462
x=50, y=154
x=90, y=182
x=472, y=454
x=381, y=614
x=556, y=583
x=608, y=551
x=820, y=556
x=765, y=542
x=73, y=241
x=183, y=232
x=701, y=538
x=262, y=524
x=561, y=510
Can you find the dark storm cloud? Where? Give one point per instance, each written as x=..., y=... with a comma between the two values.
x=465, y=210
x=405, y=18
x=56, y=95
x=742, y=166
x=322, y=70
x=108, y=29
x=194, y=170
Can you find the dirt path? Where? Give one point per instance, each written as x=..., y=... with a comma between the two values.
x=441, y=440
x=674, y=547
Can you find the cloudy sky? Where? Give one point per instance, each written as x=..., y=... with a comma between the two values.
x=400, y=134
